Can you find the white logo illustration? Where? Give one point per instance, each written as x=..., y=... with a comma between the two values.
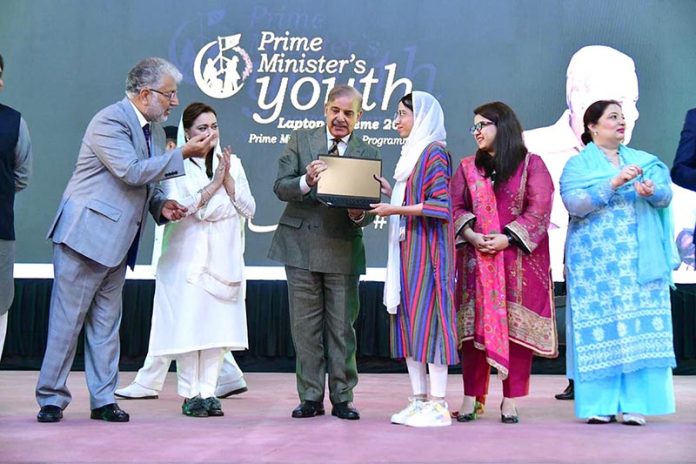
x=219, y=76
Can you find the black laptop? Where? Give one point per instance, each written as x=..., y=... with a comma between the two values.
x=349, y=182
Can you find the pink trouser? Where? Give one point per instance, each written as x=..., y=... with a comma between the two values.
x=475, y=371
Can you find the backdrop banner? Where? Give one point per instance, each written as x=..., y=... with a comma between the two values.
x=267, y=66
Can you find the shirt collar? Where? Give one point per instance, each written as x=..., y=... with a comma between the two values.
x=330, y=138
x=141, y=118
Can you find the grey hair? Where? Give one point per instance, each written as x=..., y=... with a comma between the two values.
x=148, y=73
x=345, y=91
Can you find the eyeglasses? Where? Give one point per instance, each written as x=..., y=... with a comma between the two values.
x=168, y=95
x=400, y=115
x=478, y=127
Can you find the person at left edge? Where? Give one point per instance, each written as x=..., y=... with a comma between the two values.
x=96, y=231
x=15, y=170
x=323, y=253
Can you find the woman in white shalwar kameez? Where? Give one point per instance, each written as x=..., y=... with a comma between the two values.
x=199, y=310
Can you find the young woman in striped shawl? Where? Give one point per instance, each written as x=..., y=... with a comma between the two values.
x=418, y=290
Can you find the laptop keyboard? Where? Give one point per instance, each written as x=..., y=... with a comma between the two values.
x=347, y=202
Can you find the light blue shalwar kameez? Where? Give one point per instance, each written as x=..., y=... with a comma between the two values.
x=618, y=257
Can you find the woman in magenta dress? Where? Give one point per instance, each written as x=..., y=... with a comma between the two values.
x=501, y=201
x=419, y=285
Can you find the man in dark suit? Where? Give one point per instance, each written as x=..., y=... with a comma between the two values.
x=96, y=231
x=323, y=253
x=15, y=169
x=684, y=173
x=684, y=167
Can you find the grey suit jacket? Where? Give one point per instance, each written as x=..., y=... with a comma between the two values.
x=114, y=181
x=311, y=235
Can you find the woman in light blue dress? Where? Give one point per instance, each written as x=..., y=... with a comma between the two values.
x=619, y=256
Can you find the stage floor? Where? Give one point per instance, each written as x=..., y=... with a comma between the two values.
x=257, y=427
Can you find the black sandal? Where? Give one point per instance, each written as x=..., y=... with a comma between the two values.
x=509, y=419
x=472, y=416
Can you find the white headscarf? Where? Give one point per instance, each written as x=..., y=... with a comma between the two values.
x=428, y=127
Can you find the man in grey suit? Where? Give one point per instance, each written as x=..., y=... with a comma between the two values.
x=323, y=253
x=96, y=231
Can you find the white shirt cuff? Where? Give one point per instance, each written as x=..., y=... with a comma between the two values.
x=304, y=187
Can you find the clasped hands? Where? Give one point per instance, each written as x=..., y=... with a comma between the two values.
x=644, y=188
x=486, y=243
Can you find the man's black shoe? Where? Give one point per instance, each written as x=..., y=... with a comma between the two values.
x=345, y=410
x=49, y=413
x=568, y=393
x=308, y=409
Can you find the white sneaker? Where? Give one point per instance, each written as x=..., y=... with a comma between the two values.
x=229, y=388
x=414, y=406
x=633, y=419
x=431, y=414
x=136, y=391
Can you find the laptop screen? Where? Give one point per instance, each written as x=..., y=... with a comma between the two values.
x=350, y=177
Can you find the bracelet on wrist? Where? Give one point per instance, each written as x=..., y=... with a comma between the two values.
x=358, y=218
x=207, y=193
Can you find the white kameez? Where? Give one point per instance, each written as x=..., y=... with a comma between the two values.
x=200, y=287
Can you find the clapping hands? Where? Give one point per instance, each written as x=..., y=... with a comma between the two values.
x=228, y=181
x=223, y=167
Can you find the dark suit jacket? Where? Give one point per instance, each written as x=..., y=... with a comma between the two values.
x=684, y=167
x=311, y=235
x=113, y=185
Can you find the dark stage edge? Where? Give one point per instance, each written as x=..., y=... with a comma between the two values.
x=270, y=343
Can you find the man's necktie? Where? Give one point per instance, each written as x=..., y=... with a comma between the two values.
x=334, y=148
x=148, y=138
x=133, y=250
